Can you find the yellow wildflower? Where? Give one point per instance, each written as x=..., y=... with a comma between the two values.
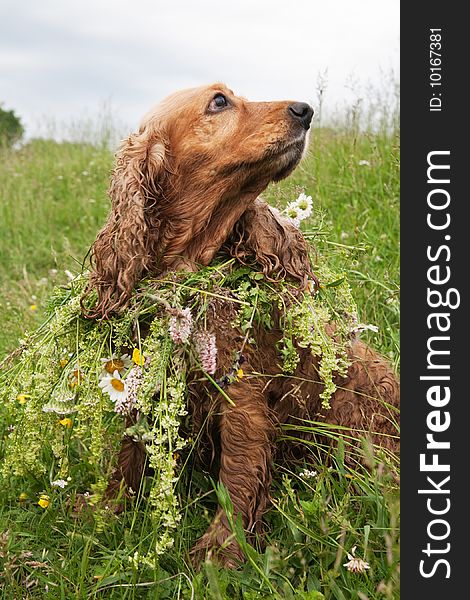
x=23, y=496
x=137, y=357
x=66, y=422
x=63, y=362
x=43, y=501
x=33, y=307
x=240, y=373
x=22, y=398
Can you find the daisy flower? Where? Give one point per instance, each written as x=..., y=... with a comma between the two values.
x=293, y=213
x=115, y=387
x=116, y=363
x=299, y=209
x=356, y=565
x=304, y=205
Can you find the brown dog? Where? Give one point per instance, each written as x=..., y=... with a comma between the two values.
x=184, y=187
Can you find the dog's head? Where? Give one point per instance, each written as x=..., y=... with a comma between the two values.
x=210, y=135
x=199, y=160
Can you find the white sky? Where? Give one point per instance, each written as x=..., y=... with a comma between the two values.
x=63, y=59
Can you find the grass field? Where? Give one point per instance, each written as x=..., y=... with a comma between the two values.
x=52, y=202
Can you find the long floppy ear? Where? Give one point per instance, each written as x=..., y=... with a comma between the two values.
x=273, y=241
x=127, y=246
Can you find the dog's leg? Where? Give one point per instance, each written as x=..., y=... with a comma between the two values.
x=367, y=400
x=246, y=437
x=129, y=469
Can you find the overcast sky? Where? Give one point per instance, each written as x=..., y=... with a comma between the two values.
x=63, y=59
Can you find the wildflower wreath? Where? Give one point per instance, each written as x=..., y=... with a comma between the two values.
x=71, y=383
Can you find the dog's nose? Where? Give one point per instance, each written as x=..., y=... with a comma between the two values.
x=301, y=111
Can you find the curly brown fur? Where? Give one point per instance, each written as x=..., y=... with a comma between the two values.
x=184, y=187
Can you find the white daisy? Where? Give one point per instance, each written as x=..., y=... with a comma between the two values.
x=116, y=363
x=114, y=386
x=293, y=213
x=305, y=205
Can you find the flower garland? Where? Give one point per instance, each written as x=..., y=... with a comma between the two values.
x=67, y=394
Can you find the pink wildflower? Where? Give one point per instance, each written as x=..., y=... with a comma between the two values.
x=181, y=326
x=207, y=351
x=125, y=404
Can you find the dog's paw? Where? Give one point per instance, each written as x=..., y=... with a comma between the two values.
x=218, y=545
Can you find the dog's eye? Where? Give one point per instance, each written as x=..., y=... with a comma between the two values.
x=218, y=102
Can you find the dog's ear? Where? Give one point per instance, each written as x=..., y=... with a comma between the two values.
x=127, y=246
x=273, y=241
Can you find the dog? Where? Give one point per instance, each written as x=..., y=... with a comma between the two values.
x=186, y=186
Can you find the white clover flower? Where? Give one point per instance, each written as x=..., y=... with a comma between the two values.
x=181, y=326
x=356, y=565
x=116, y=388
x=116, y=363
x=59, y=483
x=364, y=163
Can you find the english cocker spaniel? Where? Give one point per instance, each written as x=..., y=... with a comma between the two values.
x=185, y=186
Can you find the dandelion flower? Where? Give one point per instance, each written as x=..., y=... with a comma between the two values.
x=44, y=501
x=66, y=422
x=33, y=307
x=356, y=565
x=181, y=326
x=115, y=387
x=116, y=363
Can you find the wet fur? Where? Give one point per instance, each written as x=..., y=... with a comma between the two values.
x=185, y=187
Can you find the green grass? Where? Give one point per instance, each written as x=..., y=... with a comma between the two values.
x=52, y=202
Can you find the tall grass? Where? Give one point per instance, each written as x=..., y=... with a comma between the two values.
x=52, y=203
